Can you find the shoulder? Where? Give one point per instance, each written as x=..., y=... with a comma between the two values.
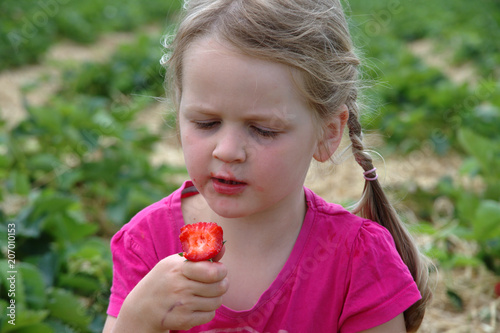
x=146, y=220
x=339, y=225
x=355, y=262
x=345, y=238
x=353, y=241
x=330, y=218
x=152, y=230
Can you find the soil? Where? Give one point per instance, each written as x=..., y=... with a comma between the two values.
x=340, y=181
x=436, y=57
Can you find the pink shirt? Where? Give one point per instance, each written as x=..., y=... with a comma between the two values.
x=343, y=275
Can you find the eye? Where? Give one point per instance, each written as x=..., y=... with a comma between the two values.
x=265, y=133
x=206, y=125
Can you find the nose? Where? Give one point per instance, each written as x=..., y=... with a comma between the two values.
x=230, y=146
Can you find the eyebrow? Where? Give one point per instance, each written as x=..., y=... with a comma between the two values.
x=207, y=110
x=199, y=108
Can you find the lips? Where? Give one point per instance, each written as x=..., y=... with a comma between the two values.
x=228, y=186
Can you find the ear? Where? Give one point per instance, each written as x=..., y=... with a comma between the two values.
x=332, y=135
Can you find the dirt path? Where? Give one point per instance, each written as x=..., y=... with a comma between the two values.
x=46, y=76
x=342, y=182
x=427, y=50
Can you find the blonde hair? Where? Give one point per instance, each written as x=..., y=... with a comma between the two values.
x=312, y=37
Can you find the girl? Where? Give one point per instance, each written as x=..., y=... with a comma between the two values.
x=261, y=88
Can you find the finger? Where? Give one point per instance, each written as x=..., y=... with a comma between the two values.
x=216, y=289
x=207, y=304
x=187, y=320
x=202, y=317
x=204, y=271
x=196, y=304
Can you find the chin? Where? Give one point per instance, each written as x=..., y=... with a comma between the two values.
x=229, y=214
x=228, y=209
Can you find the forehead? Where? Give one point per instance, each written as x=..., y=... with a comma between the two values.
x=212, y=67
x=211, y=53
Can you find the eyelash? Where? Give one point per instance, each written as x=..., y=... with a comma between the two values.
x=206, y=125
x=259, y=131
x=265, y=133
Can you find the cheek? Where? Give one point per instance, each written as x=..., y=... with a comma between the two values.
x=195, y=151
x=189, y=138
x=294, y=162
x=289, y=160
x=299, y=150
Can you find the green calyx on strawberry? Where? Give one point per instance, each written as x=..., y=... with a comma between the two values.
x=201, y=241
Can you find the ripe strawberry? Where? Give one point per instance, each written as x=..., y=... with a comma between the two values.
x=497, y=289
x=201, y=241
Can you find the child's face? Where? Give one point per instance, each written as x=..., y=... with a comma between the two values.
x=248, y=136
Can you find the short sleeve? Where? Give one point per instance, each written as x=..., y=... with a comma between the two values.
x=130, y=264
x=379, y=285
x=150, y=236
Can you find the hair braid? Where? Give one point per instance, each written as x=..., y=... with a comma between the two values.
x=374, y=205
x=356, y=135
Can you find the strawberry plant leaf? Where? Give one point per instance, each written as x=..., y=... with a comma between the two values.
x=67, y=307
x=486, y=151
x=486, y=224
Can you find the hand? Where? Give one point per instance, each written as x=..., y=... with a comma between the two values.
x=175, y=295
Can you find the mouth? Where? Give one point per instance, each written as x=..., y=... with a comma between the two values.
x=228, y=186
x=228, y=181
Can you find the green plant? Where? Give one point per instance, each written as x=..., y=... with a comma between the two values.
x=482, y=210
x=29, y=28
x=133, y=68
x=468, y=29
x=414, y=102
x=77, y=168
x=475, y=210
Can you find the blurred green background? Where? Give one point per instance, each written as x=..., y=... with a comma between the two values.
x=77, y=165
